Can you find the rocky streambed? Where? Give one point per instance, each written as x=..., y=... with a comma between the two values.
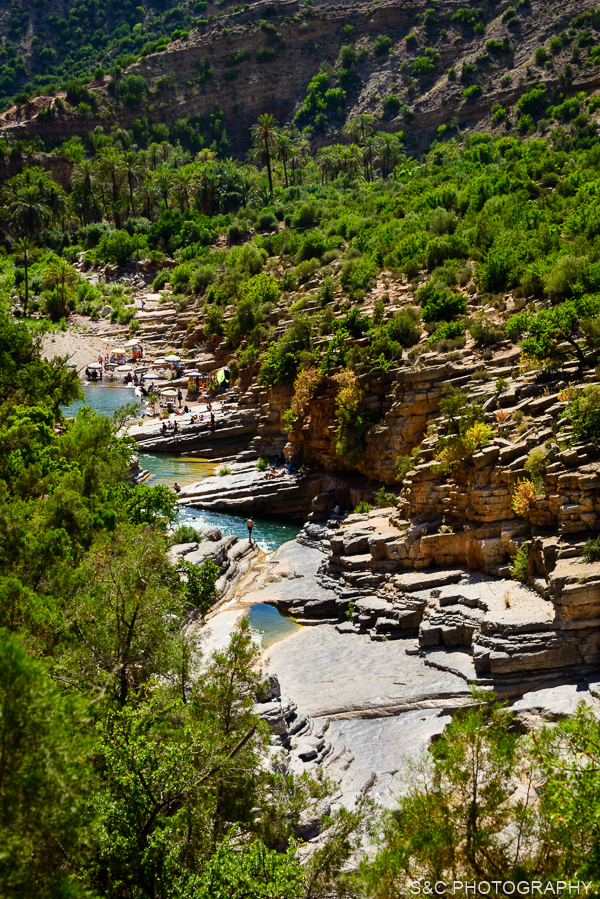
x=378, y=666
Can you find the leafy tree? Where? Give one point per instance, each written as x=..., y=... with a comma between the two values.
x=544, y=333
x=44, y=781
x=254, y=872
x=123, y=623
x=26, y=378
x=200, y=588
x=449, y=824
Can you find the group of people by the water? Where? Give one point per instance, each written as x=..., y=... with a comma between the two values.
x=282, y=467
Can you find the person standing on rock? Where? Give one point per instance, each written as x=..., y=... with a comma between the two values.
x=179, y=397
x=250, y=525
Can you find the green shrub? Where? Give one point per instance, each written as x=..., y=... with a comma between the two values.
x=279, y=364
x=403, y=327
x=362, y=508
x=201, y=278
x=584, y=412
x=406, y=463
x=591, y=550
x=116, y=247
x=185, y=533
x=391, y=105
x=307, y=215
x=447, y=331
x=312, y=246
x=520, y=565
x=472, y=92
x=484, y=332
x=439, y=303
x=262, y=464
x=214, y=323
x=266, y=221
x=533, y=102
x=266, y=54
x=358, y=275
x=161, y=279
x=348, y=55
x=382, y=44
x=306, y=270
x=535, y=465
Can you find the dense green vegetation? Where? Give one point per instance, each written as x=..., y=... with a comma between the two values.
x=131, y=765
x=486, y=804
x=469, y=223
x=146, y=758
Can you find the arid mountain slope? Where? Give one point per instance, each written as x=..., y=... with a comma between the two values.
x=416, y=67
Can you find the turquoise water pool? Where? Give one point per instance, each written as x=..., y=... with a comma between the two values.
x=166, y=468
x=270, y=624
x=269, y=533
x=105, y=398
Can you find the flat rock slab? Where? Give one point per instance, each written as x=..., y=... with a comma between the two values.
x=371, y=756
x=216, y=634
x=292, y=577
x=555, y=703
x=456, y=662
x=426, y=580
x=508, y=604
x=351, y=676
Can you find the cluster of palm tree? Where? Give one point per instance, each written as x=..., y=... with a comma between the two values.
x=368, y=149
x=287, y=145
x=116, y=185
x=32, y=200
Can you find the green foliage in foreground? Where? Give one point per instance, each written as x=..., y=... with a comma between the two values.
x=485, y=804
x=129, y=764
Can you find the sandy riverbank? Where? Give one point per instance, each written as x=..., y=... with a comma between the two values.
x=78, y=343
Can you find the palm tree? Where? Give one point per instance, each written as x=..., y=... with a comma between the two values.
x=164, y=182
x=56, y=200
x=263, y=135
x=283, y=148
x=205, y=155
x=85, y=179
x=24, y=251
x=61, y=275
x=326, y=162
x=148, y=194
x=360, y=126
x=132, y=169
x=205, y=189
x=28, y=208
x=153, y=156
x=110, y=164
x=183, y=180
x=388, y=148
x=298, y=154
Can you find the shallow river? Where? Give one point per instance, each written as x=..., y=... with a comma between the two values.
x=166, y=468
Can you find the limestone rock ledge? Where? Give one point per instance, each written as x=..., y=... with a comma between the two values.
x=485, y=628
